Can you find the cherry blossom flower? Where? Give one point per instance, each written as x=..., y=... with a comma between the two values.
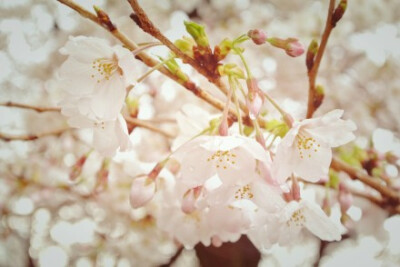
x=306, y=152
x=285, y=226
x=234, y=159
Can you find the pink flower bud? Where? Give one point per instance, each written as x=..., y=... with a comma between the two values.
x=77, y=168
x=216, y=241
x=142, y=191
x=255, y=99
x=295, y=190
x=345, y=198
x=294, y=48
x=190, y=198
x=223, y=127
x=254, y=105
x=258, y=36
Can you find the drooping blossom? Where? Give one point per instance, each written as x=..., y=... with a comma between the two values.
x=94, y=78
x=234, y=159
x=306, y=152
x=283, y=227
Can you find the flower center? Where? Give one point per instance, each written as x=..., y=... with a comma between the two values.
x=244, y=192
x=105, y=67
x=297, y=218
x=223, y=159
x=306, y=145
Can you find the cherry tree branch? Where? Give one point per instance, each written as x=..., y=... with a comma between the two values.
x=313, y=72
x=143, y=124
x=25, y=106
x=148, y=60
x=392, y=196
x=143, y=21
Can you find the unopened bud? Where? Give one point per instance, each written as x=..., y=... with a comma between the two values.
x=104, y=19
x=197, y=32
x=339, y=12
x=294, y=48
x=254, y=99
x=259, y=37
x=142, y=191
x=102, y=177
x=185, y=45
x=77, y=168
x=231, y=69
x=223, y=127
x=216, y=241
x=190, y=198
x=319, y=96
x=311, y=53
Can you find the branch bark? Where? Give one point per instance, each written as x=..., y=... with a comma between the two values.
x=312, y=74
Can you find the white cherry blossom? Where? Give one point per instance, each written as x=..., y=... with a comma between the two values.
x=306, y=149
x=234, y=159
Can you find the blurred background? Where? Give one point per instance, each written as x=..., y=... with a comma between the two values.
x=48, y=220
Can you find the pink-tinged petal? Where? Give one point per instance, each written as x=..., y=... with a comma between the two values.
x=142, y=191
x=318, y=223
x=109, y=99
x=86, y=49
x=256, y=150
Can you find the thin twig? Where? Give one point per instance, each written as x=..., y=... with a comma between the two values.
x=312, y=74
x=148, y=60
x=143, y=21
x=30, y=137
x=148, y=126
x=25, y=106
x=357, y=174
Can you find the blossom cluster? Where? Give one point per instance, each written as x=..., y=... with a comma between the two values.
x=225, y=183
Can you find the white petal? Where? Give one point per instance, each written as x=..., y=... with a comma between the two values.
x=109, y=99
x=86, y=49
x=142, y=191
x=318, y=223
x=105, y=139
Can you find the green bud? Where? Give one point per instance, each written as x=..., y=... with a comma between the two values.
x=231, y=69
x=319, y=96
x=333, y=179
x=339, y=12
x=185, y=45
x=311, y=53
x=247, y=130
x=197, y=32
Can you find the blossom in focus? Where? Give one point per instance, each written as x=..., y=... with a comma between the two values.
x=234, y=159
x=285, y=226
x=294, y=48
x=94, y=78
x=306, y=152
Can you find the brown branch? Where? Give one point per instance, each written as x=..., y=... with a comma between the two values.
x=392, y=196
x=143, y=21
x=148, y=126
x=148, y=60
x=30, y=137
x=312, y=74
x=25, y=106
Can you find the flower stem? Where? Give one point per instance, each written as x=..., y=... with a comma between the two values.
x=233, y=86
x=156, y=67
